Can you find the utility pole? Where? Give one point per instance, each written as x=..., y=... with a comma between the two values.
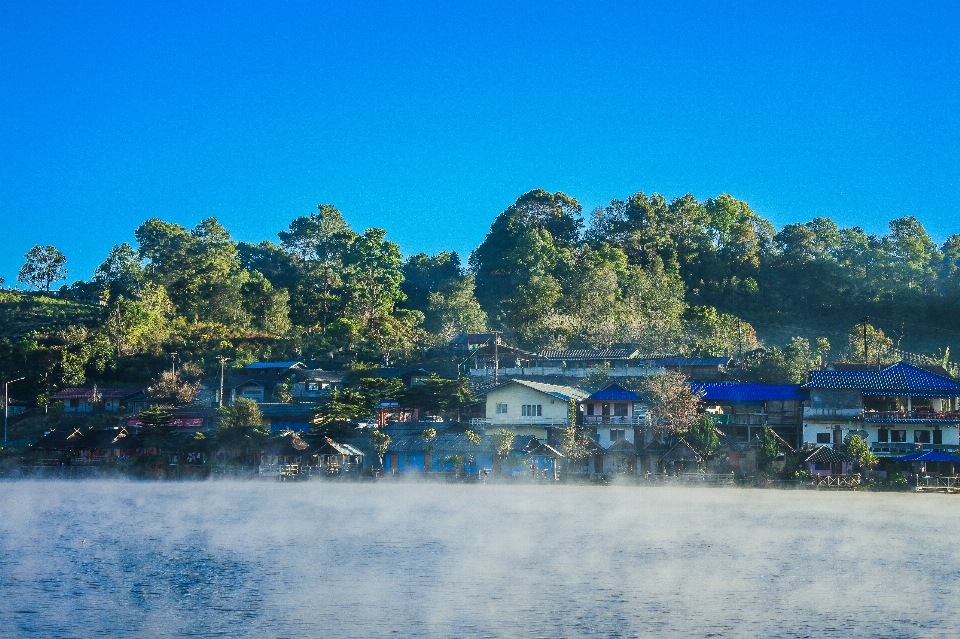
x=496, y=358
x=6, y=405
x=173, y=363
x=863, y=321
x=223, y=360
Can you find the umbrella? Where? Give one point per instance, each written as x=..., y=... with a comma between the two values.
x=928, y=456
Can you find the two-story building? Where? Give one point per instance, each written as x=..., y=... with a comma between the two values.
x=898, y=408
x=614, y=413
x=742, y=410
x=530, y=408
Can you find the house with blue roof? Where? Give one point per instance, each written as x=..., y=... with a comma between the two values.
x=614, y=413
x=742, y=410
x=897, y=408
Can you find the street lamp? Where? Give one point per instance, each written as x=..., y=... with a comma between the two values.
x=6, y=405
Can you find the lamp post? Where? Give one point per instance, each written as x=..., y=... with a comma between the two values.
x=6, y=405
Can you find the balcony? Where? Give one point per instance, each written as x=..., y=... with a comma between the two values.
x=614, y=420
x=913, y=417
x=894, y=449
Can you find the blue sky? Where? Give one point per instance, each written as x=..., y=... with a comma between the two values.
x=428, y=119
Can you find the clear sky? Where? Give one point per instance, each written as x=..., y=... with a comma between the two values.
x=428, y=119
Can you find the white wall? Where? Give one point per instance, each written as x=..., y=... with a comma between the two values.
x=554, y=409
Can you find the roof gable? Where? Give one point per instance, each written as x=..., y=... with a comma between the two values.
x=615, y=392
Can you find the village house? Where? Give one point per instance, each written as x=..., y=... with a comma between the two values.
x=742, y=410
x=897, y=408
x=87, y=400
x=530, y=408
x=614, y=413
x=316, y=385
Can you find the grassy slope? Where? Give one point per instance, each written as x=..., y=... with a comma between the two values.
x=24, y=313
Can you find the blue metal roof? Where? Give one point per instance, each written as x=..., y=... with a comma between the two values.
x=614, y=393
x=734, y=392
x=897, y=379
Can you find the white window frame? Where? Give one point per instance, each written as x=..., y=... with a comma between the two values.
x=502, y=408
x=531, y=410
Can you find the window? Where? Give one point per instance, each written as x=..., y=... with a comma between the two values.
x=620, y=410
x=938, y=437
x=531, y=410
x=312, y=386
x=898, y=436
x=501, y=408
x=589, y=409
x=883, y=436
x=921, y=436
x=617, y=434
x=823, y=438
x=821, y=465
x=74, y=403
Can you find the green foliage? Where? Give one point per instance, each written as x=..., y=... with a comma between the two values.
x=573, y=438
x=858, y=448
x=240, y=427
x=789, y=365
x=703, y=435
x=503, y=442
x=768, y=448
x=44, y=265
x=380, y=442
x=473, y=438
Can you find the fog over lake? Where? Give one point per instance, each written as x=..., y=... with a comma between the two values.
x=86, y=558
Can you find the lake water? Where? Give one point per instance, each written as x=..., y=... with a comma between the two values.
x=249, y=559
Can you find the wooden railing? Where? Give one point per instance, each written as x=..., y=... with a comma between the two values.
x=937, y=484
x=837, y=481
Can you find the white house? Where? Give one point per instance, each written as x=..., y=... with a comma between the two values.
x=530, y=408
x=897, y=409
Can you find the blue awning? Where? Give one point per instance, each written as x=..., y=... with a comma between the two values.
x=928, y=455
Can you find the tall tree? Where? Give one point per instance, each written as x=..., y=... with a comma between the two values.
x=44, y=265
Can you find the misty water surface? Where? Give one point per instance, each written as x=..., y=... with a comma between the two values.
x=127, y=559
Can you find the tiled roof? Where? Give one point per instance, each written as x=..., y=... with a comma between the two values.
x=682, y=452
x=554, y=390
x=900, y=379
x=825, y=455
x=614, y=393
x=691, y=361
x=272, y=365
x=731, y=391
x=622, y=446
x=105, y=392
x=580, y=354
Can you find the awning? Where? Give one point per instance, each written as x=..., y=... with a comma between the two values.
x=928, y=456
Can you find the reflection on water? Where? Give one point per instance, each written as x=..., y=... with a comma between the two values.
x=79, y=559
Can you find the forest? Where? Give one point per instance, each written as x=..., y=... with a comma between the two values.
x=684, y=276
